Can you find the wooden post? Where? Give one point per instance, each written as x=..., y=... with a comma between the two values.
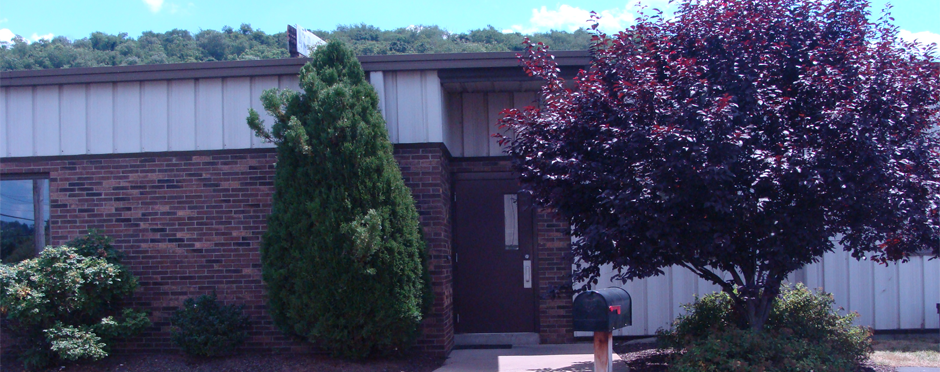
x=39, y=222
x=603, y=351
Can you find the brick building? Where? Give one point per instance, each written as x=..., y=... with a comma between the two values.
x=159, y=157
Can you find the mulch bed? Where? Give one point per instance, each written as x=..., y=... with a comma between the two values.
x=261, y=362
x=645, y=357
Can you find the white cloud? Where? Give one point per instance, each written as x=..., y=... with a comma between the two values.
x=925, y=37
x=6, y=36
x=37, y=37
x=570, y=18
x=154, y=5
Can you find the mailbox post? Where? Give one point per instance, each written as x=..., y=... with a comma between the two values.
x=602, y=311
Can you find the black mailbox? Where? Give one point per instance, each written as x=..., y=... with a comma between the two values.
x=603, y=310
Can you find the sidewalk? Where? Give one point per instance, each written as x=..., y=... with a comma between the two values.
x=539, y=358
x=546, y=358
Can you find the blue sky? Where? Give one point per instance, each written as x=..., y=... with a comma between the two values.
x=77, y=19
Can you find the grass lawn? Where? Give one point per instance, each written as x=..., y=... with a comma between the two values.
x=908, y=352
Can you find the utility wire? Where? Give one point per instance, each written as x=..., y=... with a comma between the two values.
x=19, y=218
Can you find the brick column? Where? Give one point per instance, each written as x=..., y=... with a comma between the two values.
x=554, y=271
x=426, y=170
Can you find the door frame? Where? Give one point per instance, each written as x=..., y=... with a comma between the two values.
x=532, y=210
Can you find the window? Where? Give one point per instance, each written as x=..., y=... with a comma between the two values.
x=511, y=220
x=23, y=202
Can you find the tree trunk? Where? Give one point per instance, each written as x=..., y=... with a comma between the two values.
x=752, y=304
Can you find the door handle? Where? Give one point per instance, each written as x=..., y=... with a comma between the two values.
x=526, y=273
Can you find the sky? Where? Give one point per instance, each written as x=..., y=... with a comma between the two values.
x=78, y=19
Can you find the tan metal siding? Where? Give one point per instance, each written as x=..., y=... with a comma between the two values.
x=20, y=121
x=181, y=115
x=899, y=296
x=73, y=104
x=154, y=114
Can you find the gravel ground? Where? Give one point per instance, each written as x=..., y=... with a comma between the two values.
x=644, y=357
x=242, y=362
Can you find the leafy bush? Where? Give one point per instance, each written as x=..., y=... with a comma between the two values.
x=64, y=306
x=205, y=327
x=343, y=258
x=93, y=244
x=802, y=333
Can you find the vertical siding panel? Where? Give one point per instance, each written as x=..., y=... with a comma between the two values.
x=705, y=287
x=258, y=86
x=3, y=121
x=181, y=115
x=73, y=119
x=496, y=102
x=100, y=111
x=127, y=117
x=209, y=114
x=886, y=297
x=20, y=122
x=931, y=293
x=236, y=101
x=454, y=134
x=377, y=79
x=911, y=293
x=638, y=296
x=46, y=119
x=814, y=275
x=434, y=107
x=154, y=131
x=291, y=82
x=412, y=120
x=683, y=292
x=861, y=291
x=521, y=100
x=836, y=275
x=391, y=106
x=474, y=129
x=658, y=301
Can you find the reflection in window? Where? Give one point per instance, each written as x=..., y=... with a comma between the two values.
x=511, y=213
x=22, y=203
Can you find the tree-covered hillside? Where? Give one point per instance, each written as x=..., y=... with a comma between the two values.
x=245, y=43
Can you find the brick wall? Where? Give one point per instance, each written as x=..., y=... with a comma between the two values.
x=426, y=170
x=189, y=224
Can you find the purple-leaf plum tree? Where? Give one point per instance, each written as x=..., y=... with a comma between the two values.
x=740, y=140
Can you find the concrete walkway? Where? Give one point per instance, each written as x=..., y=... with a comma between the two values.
x=546, y=358
x=538, y=358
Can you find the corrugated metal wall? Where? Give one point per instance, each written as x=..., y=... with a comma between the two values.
x=899, y=296
x=471, y=120
x=129, y=117
x=411, y=102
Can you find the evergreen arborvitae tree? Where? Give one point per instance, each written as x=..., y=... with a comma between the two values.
x=343, y=258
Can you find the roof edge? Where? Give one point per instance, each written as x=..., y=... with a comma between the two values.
x=268, y=67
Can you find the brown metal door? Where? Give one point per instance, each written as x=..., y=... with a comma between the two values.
x=494, y=263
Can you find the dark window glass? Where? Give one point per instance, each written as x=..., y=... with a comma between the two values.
x=22, y=203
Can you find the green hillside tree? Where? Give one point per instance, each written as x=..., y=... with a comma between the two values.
x=343, y=257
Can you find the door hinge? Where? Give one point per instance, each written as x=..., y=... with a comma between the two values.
x=456, y=257
x=458, y=318
x=455, y=196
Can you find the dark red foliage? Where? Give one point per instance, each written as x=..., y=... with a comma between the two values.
x=748, y=137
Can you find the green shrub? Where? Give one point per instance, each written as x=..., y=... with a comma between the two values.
x=93, y=244
x=342, y=258
x=205, y=327
x=64, y=306
x=803, y=333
